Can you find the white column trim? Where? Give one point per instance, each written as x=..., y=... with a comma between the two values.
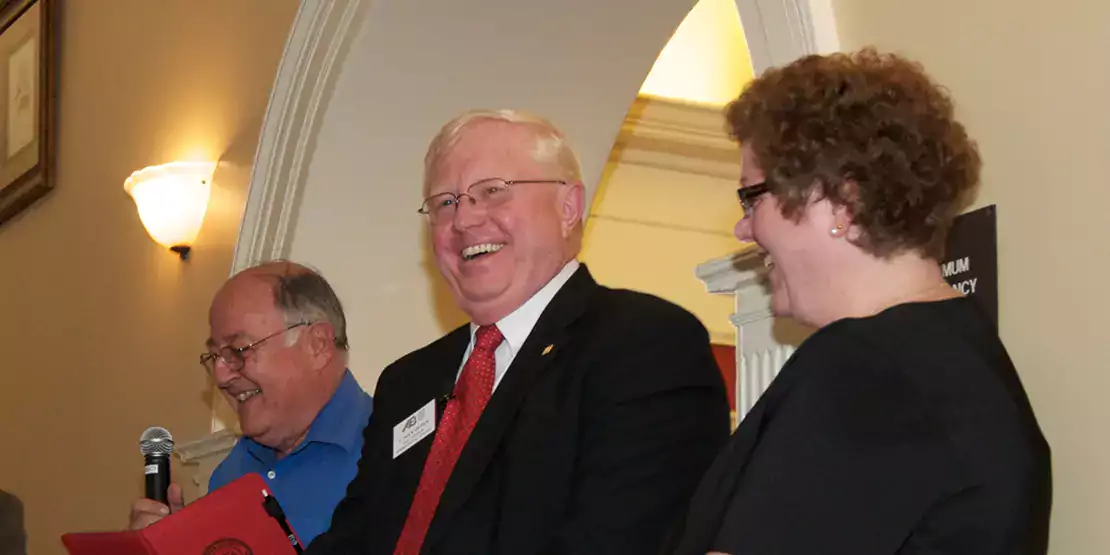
x=822, y=20
x=741, y=275
x=781, y=31
x=742, y=318
x=730, y=273
x=210, y=445
x=321, y=30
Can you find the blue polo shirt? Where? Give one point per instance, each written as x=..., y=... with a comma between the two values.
x=311, y=481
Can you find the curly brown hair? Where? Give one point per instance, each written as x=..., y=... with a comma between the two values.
x=865, y=130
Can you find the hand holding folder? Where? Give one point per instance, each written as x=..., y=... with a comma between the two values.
x=240, y=518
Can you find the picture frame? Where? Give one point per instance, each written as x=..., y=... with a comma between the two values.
x=28, y=67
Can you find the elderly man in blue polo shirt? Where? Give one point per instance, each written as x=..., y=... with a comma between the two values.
x=278, y=351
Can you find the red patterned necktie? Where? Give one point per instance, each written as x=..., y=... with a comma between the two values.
x=472, y=392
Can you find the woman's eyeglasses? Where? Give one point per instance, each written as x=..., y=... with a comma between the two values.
x=748, y=195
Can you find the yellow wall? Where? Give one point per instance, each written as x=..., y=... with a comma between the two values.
x=101, y=327
x=1031, y=81
x=706, y=61
x=649, y=228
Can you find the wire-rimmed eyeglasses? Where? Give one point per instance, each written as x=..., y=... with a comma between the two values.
x=233, y=357
x=490, y=193
x=748, y=195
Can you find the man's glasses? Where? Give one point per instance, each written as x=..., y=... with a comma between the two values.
x=748, y=195
x=233, y=357
x=490, y=193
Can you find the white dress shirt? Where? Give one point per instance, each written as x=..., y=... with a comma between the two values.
x=519, y=323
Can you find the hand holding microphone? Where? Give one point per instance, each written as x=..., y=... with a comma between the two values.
x=162, y=496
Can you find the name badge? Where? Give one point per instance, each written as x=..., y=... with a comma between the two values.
x=411, y=430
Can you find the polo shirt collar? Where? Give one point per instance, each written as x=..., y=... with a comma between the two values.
x=337, y=423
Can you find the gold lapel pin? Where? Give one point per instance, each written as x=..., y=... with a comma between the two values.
x=547, y=349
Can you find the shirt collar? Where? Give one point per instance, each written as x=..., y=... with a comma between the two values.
x=337, y=423
x=518, y=324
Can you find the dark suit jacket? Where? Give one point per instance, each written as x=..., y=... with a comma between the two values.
x=13, y=538
x=590, y=447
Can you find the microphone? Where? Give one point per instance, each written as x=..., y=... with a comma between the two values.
x=156, y=444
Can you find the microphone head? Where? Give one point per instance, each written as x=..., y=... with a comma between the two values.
x=156, y=441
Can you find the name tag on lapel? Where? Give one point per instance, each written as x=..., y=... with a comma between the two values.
x=411, y=430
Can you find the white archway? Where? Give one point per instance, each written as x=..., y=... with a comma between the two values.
x=778, y=31
x=362, y=86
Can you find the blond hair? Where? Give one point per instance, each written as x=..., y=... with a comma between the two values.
x=551, y=144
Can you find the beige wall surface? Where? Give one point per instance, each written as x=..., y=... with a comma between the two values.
x=1032, y=83
x=101, y=327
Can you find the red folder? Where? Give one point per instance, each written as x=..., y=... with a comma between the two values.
x=228, y=521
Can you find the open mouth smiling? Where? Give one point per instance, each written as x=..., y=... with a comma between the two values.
x=475, y=251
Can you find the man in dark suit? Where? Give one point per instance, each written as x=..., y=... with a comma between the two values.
x=567, y=417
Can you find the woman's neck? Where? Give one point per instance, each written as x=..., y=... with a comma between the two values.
x=867, y=285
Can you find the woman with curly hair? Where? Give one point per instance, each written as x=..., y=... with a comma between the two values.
x=900, y=425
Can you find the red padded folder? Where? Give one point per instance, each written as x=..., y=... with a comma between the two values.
x=228, y=521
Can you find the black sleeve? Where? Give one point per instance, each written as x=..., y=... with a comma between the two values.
x=348, y=521
x=656, y=414
x=845, y=465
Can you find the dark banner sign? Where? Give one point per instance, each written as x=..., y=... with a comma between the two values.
x=971, y=262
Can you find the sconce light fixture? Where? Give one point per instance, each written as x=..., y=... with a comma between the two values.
x=172, y=199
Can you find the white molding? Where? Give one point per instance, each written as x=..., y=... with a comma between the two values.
x=210, y=445
x=730, y=273
x=320, y=31
x=677, y=136
x=781, y=31
x=744, y=318
x=691, y=138
x=822, y=19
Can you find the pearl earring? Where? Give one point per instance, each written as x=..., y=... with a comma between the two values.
x=836, y=230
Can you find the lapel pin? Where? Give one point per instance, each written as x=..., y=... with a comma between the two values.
x=547, y=349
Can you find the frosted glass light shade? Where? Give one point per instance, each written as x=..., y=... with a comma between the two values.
x=172, y=200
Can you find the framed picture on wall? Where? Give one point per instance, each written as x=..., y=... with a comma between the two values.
x=27, y=102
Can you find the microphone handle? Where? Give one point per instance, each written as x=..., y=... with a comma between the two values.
x=157, y=472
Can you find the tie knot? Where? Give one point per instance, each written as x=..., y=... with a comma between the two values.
x=487, y=338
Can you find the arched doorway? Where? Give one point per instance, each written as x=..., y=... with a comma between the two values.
x=363, y=86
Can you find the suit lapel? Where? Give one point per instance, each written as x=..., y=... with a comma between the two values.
x=436, y=378
x=533, y=359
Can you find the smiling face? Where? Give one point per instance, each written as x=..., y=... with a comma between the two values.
x=495, y=258
x=796, y=252
x=275, y=393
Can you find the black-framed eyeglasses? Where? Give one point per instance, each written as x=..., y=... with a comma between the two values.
x=490, y=193
x=748, y=195
x=233, y=357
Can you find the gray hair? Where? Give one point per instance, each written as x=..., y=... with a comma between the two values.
x=551, y=144
x=304, y=295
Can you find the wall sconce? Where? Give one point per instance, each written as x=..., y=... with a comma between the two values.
x=172, y=199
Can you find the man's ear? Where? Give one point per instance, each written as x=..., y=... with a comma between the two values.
x=320, y=341
x=572, y=206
